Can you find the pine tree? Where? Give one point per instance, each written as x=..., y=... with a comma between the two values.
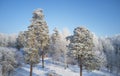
x=55, y=45
x=64, y=43
x=19, y=41
x=81, y=44
x=7, y=60
x=98, y=50
x=35, y=39
x=41, y=32
x=31, y=52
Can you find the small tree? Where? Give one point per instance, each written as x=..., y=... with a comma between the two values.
x=98, y=50
x=64, y=43
x=81, y=44
x=55, y=45
x=20, y=41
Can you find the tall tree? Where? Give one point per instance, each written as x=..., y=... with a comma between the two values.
x=31, y=52
x=35, y=40
x=81, y=45
x=41, y=32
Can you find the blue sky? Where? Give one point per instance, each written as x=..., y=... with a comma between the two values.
x=100, y=16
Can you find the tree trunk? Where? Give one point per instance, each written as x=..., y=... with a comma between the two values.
x=9, y=72
x=65, y=60
x=117, y=72
x=42, y=54
x=80, y=62
x=3, y=71
x=111, y=69
x=31, y=68
x=42, y=59
x=80, y=70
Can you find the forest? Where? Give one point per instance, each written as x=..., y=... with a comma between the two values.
x=33, y=46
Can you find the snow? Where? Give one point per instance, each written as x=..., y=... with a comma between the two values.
x=57, y=69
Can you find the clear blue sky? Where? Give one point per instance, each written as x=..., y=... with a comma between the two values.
x=100, y=16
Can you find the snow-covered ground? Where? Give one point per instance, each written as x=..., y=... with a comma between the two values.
x=57, y=69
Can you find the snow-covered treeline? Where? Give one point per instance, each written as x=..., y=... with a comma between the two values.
x=83, y=48
x=7, y=60
x=8, y=40
x=10, y=57
x=106, y=48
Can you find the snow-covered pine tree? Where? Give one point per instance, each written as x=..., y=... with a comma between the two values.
x=7, y=40
x=64, y=43
x=55, y=45
x=7, y=61
x=34, y=39
x=41, y=32
x=31, y=52
x=98, y=50
x=81, y=45
x=20, y=41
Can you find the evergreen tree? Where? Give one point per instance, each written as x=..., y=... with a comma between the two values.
x=41, y=32
x=19, y=41
x=64, y=43
x=35, y=40
x=98, y=50
x=31, y=52
x=81, y=45
x=7, y=60
x=55, y=45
